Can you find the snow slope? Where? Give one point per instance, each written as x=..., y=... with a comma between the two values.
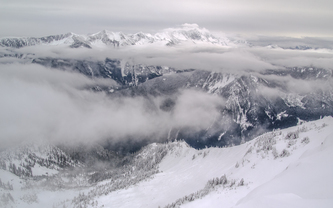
x=272, y=178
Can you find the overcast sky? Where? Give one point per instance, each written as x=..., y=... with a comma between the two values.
x=283, y=17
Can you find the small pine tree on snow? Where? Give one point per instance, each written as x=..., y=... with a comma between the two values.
x=284, y=153
x=275, y=153
x=237, y=165
x=305, y=140
x=223, y=180
x=292, y=135
x=241, y=182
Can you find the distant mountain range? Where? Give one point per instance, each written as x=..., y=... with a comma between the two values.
x=172, y=36
x=186, y=33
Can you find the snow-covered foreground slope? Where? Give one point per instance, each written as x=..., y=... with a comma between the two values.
x=278, y=171
x=284, y=168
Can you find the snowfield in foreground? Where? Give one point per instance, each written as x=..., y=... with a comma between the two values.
x=284, y=168
x=278, y=171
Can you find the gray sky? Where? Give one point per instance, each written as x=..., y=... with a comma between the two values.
x=283, y=17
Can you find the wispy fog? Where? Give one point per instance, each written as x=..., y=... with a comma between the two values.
x=288, y=84
x=289, y=42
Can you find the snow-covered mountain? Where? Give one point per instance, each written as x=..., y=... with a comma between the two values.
x=171, y=36
x=289, y=168
x=250, y=106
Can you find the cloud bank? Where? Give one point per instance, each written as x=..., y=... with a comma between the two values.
x=43, y=104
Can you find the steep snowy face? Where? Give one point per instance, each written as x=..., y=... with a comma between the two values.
x=171, y=36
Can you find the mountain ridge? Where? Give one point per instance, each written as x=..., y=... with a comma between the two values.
x=170, y=36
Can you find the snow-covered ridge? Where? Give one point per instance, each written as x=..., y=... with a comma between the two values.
x=282, y=168
x=171, y=36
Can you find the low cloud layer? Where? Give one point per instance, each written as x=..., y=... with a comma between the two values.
x=210, y=57
x=43, y=104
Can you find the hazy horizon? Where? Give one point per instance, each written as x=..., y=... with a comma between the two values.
x=277, y=18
